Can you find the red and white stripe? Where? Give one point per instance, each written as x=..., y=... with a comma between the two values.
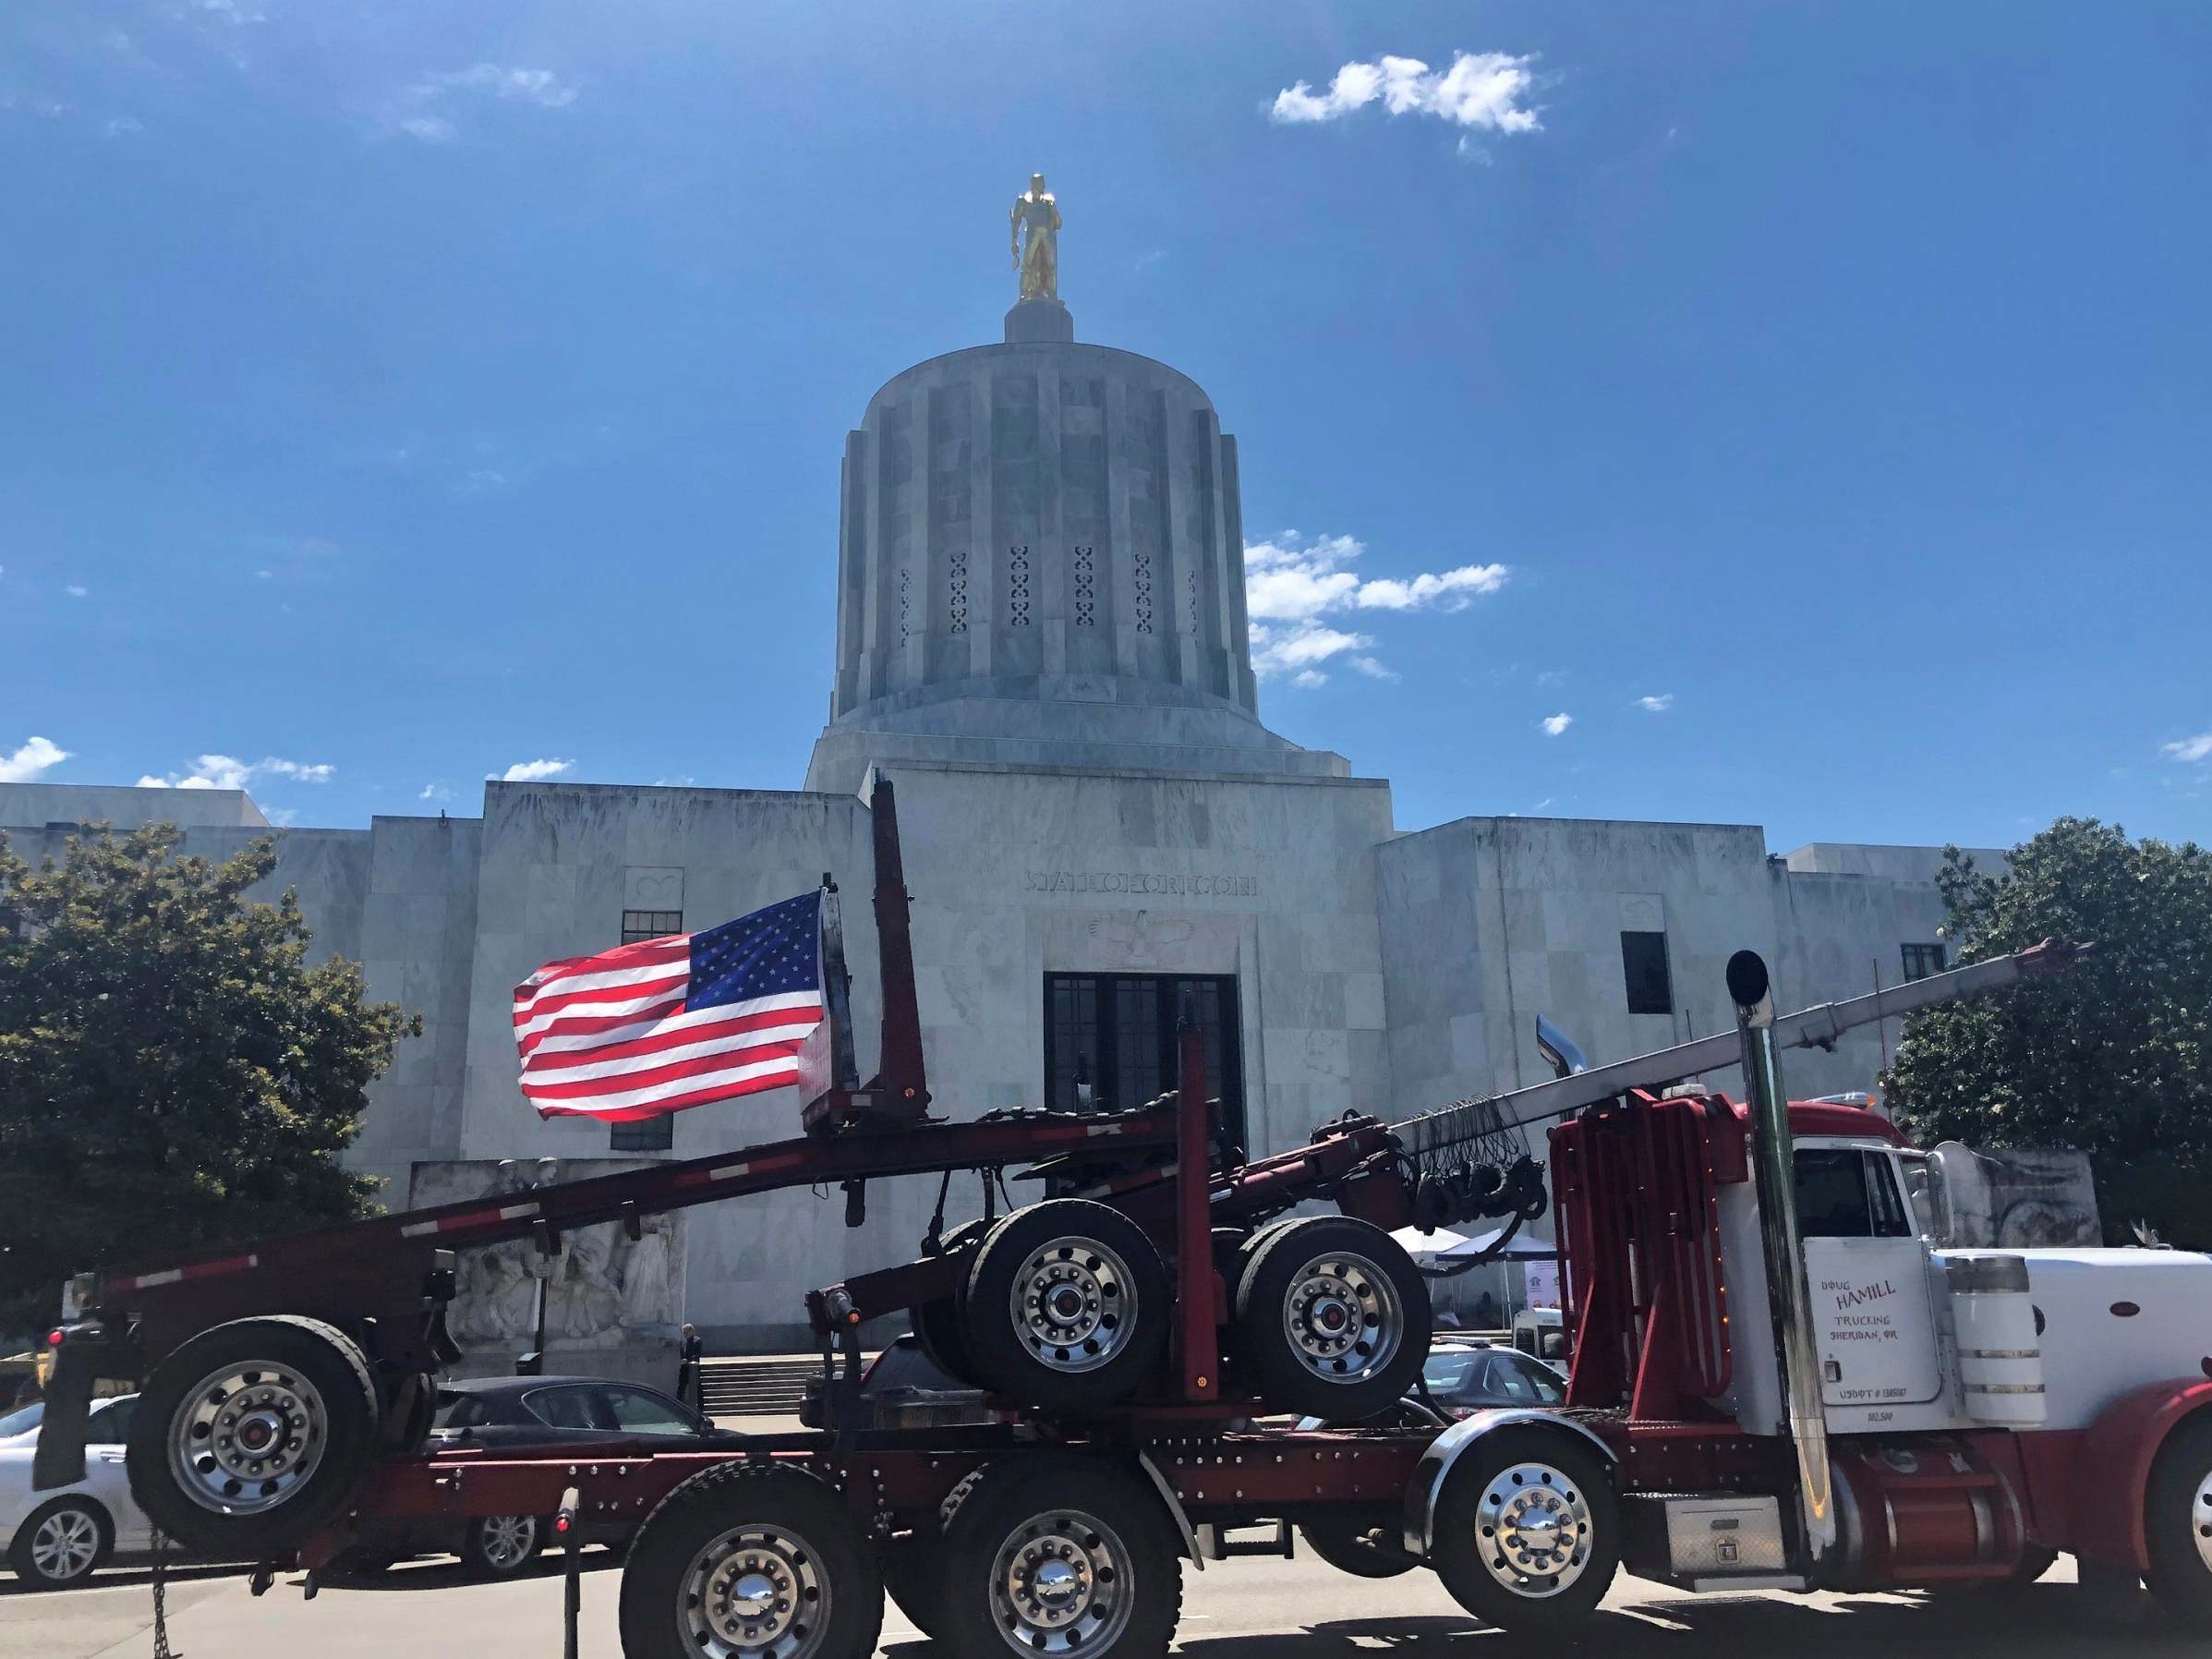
x=609, y=1036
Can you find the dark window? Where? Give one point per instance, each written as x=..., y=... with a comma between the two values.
x=1845, y=1193
x=641, y=1411
x=1644, y=964
x=642, y=1134
x=645, y=1134
x=109, y=1425
x=1109, y=1042
x=568, y=1408
x=1920, y=961
x=640, y=925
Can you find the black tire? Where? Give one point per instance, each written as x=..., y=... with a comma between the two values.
x=1110, y=1289
x=218, y=1514
x=913, y=1577
x=818, y=1553
x=2177, y=1517
x=1469, y=1552
x=1368, y=1549
x=1099, y=1525
x=937, y=1321
x=1357, y=1273
x=498, y=1546
x=62, y=1543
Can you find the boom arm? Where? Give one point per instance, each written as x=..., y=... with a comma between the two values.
x=1810, y=1028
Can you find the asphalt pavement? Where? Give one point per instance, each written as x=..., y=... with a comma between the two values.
x=1243, y=1609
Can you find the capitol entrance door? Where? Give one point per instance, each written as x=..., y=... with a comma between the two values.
x=1109, y=1042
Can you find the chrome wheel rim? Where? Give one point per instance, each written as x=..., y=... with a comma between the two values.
x=2200, y=1519
x=1534, y=1532
x=756, y=1590
x=507, y=1541
x=1074, y=1304
x=1344, y=1317
x=1061, y=1583
x=64, y=1545
x=246, y=1437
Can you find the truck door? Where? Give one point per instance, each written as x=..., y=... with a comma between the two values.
x=1867, y=1268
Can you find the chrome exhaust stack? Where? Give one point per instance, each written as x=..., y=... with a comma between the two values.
x=1789, y=1295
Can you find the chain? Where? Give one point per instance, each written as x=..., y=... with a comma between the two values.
x=162, y=1649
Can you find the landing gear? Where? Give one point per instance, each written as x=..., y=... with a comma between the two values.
x=1066, y=1305
x=1527, y=1532
x=1332, y=1318
x=2178, y=1522
x=747, y=1562
x=252, y=1434
x=1064, y=1554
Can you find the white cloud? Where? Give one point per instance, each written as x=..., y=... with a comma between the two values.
x=122, y=127
x=1297, y=580
x=1374, y=670
x=77, y=591
x=483, y=481
x=686, y=782
x=225, y=771
x=1553, y=724
x=435, y=791
x=2189, y=749
x=530, y=771
x=415, y=110
x=1309, y=678
x=1481, y=90
x=1659, y=704
x=35, y=757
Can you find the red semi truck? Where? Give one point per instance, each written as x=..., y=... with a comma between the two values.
x=1781, y=1378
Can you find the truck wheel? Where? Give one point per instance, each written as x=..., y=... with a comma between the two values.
x=1527, y=1532
x=1365, y=1551
x=913, y=1577
x=60, y=1544
x=1060, y=1553
x=1332, y=1318
x=252, y=1435
x=937, y=1321
x=2178, y=1525
x=745, y=1561
x=498, y=1546
x=1066, y=1305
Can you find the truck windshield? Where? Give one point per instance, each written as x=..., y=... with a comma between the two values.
x=1844, y=1192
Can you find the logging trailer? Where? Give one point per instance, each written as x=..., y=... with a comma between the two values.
x=1749, y=1406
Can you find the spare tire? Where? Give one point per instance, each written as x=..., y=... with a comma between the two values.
x=253, y=1433
x=1068, y=1305
x=1332, y=1318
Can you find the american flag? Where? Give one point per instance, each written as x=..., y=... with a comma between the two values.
x=669, y=1022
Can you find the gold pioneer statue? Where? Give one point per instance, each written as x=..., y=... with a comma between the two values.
x=1038, y=259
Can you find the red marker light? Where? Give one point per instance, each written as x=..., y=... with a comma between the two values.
x=562, y=1524
x=53, y=1338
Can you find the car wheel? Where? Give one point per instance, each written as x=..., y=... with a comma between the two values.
x=498, y=1546
x=60, y=1544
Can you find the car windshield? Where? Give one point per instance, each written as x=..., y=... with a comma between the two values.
x=1490, y=1376
x=22, y=1422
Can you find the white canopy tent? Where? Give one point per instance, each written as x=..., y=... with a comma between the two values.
x=1444, y=1246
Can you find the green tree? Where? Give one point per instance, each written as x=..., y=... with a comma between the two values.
x=2110, y=1056
x=172, y=1073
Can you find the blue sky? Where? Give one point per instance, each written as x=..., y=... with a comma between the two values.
x=394, y=394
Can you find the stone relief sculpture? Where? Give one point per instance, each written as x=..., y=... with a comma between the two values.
x=604, y=1289
x=1037, y=255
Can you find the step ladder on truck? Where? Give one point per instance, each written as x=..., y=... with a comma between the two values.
x=1748, y=1407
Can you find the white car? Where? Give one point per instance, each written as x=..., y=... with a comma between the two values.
x=55, y=1539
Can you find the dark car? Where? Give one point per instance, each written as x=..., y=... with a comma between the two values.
x=1470, y=1376
x=509, y=1414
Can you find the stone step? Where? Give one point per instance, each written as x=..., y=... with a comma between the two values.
x=746, y=1386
